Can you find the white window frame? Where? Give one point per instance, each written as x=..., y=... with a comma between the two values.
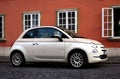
x=1, y=38
x=107, y=22
x=31, y=19
x=112, y=36
x=66, y=11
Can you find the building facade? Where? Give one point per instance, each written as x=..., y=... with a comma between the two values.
x=95, y=19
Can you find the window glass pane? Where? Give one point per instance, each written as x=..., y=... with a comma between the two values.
x=0, y=19
x=1, y=27
x=69, y=21
x=26, y=28
x=64, y=21
x=0, y=35
x=0, y=24
x=69, y=27
x=33, y=23
x=28, y=18
x=64, y=15
x=36, y=22
x=36, y=16
x=73, y=14
x=25, y=17
x=60, y=21
x=26, y=23
x=29, y=23
x=60, y=15
x=73, y=21
x=69, y=14
x=33, y=16
x=0, y=30
x=73, y=27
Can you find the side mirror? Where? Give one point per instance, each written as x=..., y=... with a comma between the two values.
x=60, y=39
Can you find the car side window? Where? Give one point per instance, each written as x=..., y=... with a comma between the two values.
x=31, y=34
x=44, y=33
x=50, y=33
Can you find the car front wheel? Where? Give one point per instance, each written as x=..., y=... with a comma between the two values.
x=17, y=59
x=77, y=59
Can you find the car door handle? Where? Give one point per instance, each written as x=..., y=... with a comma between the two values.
x=35, y=44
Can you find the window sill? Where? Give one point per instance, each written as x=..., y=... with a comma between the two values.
x=114, y=39
x=2, y=40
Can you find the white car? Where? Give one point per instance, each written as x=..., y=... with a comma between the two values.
x=52, y=44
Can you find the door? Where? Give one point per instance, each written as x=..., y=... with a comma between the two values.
x=45, y=46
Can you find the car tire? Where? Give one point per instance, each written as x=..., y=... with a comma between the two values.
x=17, y=59
x=77, y=59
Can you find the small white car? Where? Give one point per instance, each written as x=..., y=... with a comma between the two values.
x=52, y=44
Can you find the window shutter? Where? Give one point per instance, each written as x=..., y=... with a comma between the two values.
x=107, y=22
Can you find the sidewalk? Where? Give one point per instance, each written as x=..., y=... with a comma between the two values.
x=111, y=60
x=4, y=59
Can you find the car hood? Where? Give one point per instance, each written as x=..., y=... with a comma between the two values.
x=85, y=40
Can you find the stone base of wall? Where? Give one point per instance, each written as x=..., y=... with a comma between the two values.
x=113, y=52
x=4, y=51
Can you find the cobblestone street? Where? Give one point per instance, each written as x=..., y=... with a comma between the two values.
x=59, y=71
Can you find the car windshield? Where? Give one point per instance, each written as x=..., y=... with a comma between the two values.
x=71, y=33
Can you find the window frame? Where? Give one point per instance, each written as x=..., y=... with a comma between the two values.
x=31, y=19
x=106, y=28
x=112, y=36
x=37, y=31
x=3, y=28
x=66, y=11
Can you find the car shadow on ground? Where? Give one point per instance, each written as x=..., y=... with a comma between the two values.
x=60, y=65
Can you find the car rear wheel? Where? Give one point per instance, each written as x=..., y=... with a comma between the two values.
x=77, y=59
x=17, y=59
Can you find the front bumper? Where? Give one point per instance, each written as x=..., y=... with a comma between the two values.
x=99, y=57
x=103, y=56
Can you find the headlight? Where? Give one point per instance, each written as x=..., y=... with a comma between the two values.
x=95, y=51
x=94, y=46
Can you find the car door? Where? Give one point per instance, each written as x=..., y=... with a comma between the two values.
x=46, y=46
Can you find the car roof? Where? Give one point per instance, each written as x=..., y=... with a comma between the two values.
x=42, y=27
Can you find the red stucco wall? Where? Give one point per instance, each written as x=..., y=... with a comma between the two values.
x=89, y=16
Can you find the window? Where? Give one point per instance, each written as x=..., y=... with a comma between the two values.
x=44, y=33
x=67, y=19
x=1, y=27
x=31, y=34
x=31, y=20
x=111, y=22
